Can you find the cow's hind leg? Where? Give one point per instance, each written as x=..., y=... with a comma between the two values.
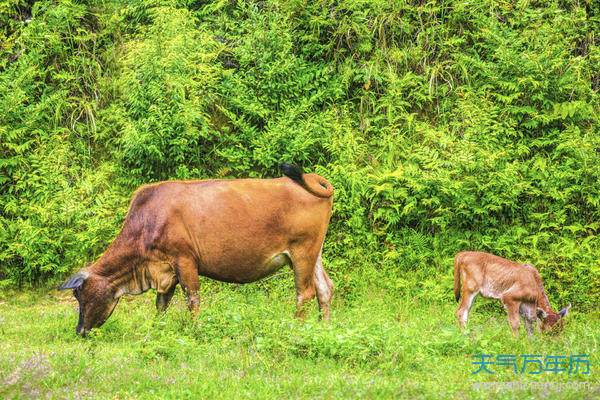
x=466, y=301
x=304, y=280
x=187, y=274
x=324, y=288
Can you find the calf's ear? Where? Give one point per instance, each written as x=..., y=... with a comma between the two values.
x=563, y=313
x=541, y=314
x=75, y=281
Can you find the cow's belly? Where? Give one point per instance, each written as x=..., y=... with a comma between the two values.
x=243, y=271
x=488, y=290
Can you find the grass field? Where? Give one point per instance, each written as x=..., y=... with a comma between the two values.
x=246, y=344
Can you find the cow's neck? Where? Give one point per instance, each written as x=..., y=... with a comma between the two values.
x=542, y=300
x=125, y=275
x=136, y=280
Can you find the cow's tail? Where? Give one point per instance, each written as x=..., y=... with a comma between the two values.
x=314, y=183
x=457, y=277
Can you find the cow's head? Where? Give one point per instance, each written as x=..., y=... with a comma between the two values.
x=96, y=299
x=552, y=321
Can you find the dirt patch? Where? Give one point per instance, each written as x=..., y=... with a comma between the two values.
x=27, y=374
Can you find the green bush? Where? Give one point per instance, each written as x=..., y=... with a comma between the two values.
x=443, y=126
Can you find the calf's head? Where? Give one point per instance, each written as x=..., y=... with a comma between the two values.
x=552, y=321
x=96, y=299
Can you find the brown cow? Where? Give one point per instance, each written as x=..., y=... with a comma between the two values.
x=518, y=286
x=238, y=230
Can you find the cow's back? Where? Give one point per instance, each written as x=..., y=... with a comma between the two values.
x=495, y=276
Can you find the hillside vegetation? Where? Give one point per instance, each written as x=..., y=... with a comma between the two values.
x=443, y=126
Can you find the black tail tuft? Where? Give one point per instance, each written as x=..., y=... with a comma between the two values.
x=292, y=171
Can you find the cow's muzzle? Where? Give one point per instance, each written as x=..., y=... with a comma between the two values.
x=81, y=331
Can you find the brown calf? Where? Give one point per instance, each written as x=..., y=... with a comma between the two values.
x=230, y=230
x=518, y=286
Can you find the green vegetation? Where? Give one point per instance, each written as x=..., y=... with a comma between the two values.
x=443, y=125
x=246, y=344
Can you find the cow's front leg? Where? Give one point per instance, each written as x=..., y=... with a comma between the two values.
x=529, y=326
x=163, y=299
x=512, y=308
x=528, y=312
x=324, y=288
x=187, y=273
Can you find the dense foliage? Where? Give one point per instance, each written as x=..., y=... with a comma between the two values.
x=443, y=125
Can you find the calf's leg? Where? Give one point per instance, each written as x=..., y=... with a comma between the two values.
x=528, y=312
x=466, y=301
x=512, y=308
x=324, y=288
x=529, y=326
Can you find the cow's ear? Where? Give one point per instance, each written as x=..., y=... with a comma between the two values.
x=563, y=313
x=75, y=281
x=541, y=314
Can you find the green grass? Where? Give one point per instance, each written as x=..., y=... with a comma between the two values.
x=246, y=344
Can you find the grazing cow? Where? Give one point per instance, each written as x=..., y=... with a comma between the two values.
x=239, y=230
x=518, y=286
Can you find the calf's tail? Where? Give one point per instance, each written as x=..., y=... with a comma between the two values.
x=457, y=277
x=315, y=184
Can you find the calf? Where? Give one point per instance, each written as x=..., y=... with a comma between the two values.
x=518, y=286
x=238, y=230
